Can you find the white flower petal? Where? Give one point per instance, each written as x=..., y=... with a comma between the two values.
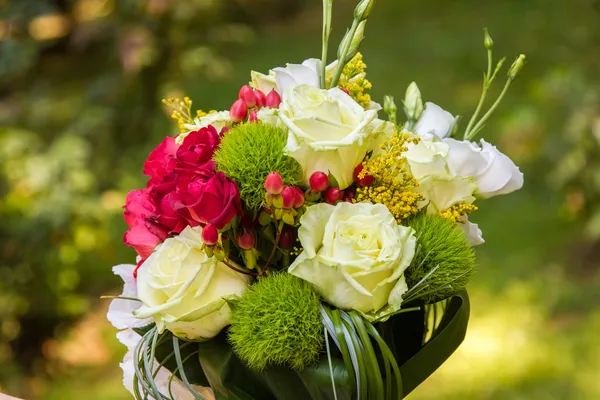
x=120, y=311
x=435, y=120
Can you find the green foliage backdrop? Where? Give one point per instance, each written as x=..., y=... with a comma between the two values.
x=80, y=89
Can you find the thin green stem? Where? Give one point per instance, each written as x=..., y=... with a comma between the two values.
x=374, y=372
x=487, y=80
x=330, y=364
x=487, y=115
x=327, y=11
x=342, y=59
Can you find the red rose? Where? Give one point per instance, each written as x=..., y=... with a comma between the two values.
x=215, y=200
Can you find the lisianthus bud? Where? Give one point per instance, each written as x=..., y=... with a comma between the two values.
x=274, y=183
x=253, y=116
x=245, y=240
x=299, y=198
x=389, y=106
x=413, y=103
x=210, y=235
x=247, y=94
x=333, y=195
x=273, y=99
x=239, y=111
x=261, y=99
x=516, y=66
x=487, y=39
x=366, y=180
x=318, y=181
x=355, y=42
x=289, y=197
x=363, y=9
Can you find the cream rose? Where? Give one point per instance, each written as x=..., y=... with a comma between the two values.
x=218, y=120
x=327, y=131
x=184, y=290
x=355, y=256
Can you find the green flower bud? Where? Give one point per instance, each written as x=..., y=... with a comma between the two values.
x=354, y=43
x=389, y=106
x=487, y=41
x=413, y=103
x=363, y=9
x=516, y=66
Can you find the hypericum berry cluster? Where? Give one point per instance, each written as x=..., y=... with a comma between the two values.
x=320, y=185
x=282, y=202
x=250, y=101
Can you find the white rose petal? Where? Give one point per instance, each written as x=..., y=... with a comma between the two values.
x=307, y=73
x=184, y=290
x=355, y=256
x=262, y=82
x=436, y=121
x=218, y=120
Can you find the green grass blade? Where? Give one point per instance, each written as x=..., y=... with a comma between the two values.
x=338, y=331
x=184, y=378
x=148, y=359
x=326, y=334
x=387, y=355
x=356, y=352
x=375, y=380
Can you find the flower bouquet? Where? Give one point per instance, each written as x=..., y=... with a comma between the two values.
x=298, y=246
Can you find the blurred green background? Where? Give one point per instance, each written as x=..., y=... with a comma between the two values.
x=80, y=89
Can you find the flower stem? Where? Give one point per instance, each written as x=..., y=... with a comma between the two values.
x=342, y=59
x=241, y=271
x=327, y=8
x=486, y=85
x=277, y=238
x=479, y=125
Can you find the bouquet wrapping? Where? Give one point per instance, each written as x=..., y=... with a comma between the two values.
x=308, y=243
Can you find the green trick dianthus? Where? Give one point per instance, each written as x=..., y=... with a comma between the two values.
x=277, y=322
x=249, y=152
x=442, y=244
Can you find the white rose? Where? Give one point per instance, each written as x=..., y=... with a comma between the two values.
x=493, y=171
x=435, y=120
x=280, y=78
x=218, y=120
x=355, y=256
x=327, y=131
x=120, y=314
x=184, y=290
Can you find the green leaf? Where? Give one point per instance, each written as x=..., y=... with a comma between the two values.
x=450, y=334
x=317, y=380
x=372, y=365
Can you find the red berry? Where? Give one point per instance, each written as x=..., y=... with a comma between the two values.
x=318, y=181
x=261, y=99
x=345, y=91
x=247, y=94
x=273, y=99
x=274, y=183
x=253, y=116
x=299, y=198
x=366, y=180
x=245, y=240
x=288, y=194
x=333, y=195
x=210, y=235
x=238, y=111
